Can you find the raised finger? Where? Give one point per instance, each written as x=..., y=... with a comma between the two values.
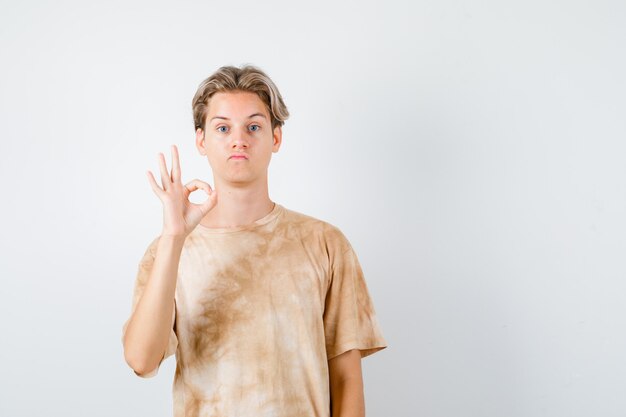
x=175, y=164
x=165, y=177
x=153, y=184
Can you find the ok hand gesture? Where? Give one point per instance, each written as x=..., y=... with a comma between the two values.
x=180, y=216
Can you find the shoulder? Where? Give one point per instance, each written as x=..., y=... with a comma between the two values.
x=153, y=244
x=150, y=249
x=323, y=230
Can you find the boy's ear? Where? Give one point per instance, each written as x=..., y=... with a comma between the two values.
x=200, y=141
x=278, y=138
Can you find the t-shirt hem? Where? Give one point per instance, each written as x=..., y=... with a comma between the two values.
x=366, y=349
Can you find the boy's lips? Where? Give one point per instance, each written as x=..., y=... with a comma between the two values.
x=238, y=156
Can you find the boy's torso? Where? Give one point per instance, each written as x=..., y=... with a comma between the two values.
x=249, y=306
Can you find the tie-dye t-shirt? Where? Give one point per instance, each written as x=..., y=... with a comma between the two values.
x=259, y=311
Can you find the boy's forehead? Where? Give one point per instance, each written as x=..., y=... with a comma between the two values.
x=235, y=105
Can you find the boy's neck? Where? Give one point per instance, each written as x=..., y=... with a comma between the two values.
x=238, y=206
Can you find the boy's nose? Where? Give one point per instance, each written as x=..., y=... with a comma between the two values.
x=239, y=140
x=238, y=143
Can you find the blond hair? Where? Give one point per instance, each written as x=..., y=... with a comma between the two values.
x=247, y=78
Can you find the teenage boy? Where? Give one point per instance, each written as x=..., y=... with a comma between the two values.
x=266, y=309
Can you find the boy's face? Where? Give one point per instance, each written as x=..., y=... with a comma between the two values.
x=230, y=131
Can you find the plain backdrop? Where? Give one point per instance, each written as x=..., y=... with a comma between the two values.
x=472, y=151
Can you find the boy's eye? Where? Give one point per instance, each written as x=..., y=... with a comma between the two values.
x=254, y=130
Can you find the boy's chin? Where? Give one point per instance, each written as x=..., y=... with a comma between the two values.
x=240, y=180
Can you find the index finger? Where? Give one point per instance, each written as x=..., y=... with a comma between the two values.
x=175, y=165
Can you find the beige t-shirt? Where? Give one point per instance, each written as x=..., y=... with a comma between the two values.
x=259, y=311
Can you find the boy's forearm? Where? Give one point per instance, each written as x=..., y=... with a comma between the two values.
x=148, y=330
x=347, y=398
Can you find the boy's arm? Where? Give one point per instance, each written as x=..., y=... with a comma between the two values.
x=147, y=334
x=346, y=385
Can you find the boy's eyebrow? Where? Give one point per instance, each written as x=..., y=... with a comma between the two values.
x=249, y=117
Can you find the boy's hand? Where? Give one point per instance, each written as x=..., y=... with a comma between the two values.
x=180, y=216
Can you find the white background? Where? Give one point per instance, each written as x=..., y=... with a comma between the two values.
x=472, y=152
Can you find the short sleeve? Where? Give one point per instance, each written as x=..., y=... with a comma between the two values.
x=350, y=320
x=141, y=279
